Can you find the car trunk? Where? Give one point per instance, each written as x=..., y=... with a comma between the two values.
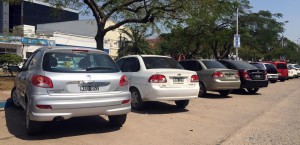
x=229, y=75
x=256, y=74
x=176, y=78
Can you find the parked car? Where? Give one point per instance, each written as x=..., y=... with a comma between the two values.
x=272, y=73
x=292, y=72
x=297, y=68
x=158, y=78
x=252, y=78
x=282, y=70
x=213, y=76
x=87, y=83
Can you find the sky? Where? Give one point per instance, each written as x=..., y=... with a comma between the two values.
x=291, y=13
x=289, y=8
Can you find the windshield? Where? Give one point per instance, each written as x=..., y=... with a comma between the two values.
x=161, y=62
x=271, y=68
x=242, y=65
x=210, y=64
x=78, y=62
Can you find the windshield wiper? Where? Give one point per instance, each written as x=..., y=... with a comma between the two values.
x=99, y=68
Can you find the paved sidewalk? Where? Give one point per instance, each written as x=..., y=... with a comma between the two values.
x=4, y=95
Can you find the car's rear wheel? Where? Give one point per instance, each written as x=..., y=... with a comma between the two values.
x=136, y=100
x=252, y=90
x=182, y=103
x=273, y=81
x=32, y=127
x=117, y=120
x=224, y=92
x=202, y=91
x=282, y=80
x=14, y=97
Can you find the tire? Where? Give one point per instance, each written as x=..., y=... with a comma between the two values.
x=117, y=120
x=252, y=90
x=182, y=103
x=14, y=97
x=224, y=92
x=136, y=100
x=202, y=91
x=273, y=81
x=282, y=80
x=32, y=127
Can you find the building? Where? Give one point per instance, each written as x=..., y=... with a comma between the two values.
x=81, y=33
x=32, y=12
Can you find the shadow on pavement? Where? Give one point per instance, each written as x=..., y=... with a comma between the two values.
x=15, y=121
x=160, y=108
x=243, y=92
x=214, y=96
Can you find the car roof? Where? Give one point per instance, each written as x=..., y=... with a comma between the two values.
x=71, y=48
x=145, y=56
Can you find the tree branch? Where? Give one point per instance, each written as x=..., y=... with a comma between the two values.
x=96, y=11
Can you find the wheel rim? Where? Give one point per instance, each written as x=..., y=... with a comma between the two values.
x=27, y=116
x=15, y=98
x=134, y=98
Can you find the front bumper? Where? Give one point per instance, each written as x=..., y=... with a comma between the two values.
x=109, y=105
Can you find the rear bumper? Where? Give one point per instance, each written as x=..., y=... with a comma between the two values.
x=272, y=77
x=254, y=83
x=109, y=105
x=217, y=84
x=157, y=93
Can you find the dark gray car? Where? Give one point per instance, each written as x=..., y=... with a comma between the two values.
x=213, y=76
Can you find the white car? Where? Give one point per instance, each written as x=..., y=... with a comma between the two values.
x=297, y=68
x=158, y=78
x=292, y=72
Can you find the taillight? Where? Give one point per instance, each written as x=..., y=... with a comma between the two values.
x=123, y=81
x=246, y=75
x=42, y=81
x=217, y=74
x=237, y=74
x=157, y=79
x=125, y=101
x=194, y=78
x=43, y=106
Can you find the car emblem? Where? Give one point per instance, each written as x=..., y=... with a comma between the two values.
x=179, y=74
x=88, y=77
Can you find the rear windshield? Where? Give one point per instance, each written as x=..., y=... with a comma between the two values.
x=260, y=66
x=161, y=62
x=242, y=65
x=271, y=68
x=281, y=66
x=210, y=64
x=78, y=62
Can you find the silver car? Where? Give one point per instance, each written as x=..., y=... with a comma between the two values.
x=213, y=76
x=59, y=83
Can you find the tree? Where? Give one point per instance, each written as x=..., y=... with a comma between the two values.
x=9, y=60
x=122, y=12
x=138, y=44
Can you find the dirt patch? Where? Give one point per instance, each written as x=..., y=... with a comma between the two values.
x=6, y=83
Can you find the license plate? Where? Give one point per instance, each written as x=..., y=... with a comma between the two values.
x=230, y=77
x=178, y=80
x=257, y=76
x=89, y=88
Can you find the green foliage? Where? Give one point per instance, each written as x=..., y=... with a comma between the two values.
x=10, y=59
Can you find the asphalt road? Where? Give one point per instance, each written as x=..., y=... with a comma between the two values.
x=272, y=116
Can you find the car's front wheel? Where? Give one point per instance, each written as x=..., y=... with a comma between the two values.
x=182, y=103
x=136, y=100
x=273, y=81
x=252, y=90
x=117, y=120
x=224, y=92
x=32, y=127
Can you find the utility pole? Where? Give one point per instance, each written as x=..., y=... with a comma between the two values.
x=237, y=32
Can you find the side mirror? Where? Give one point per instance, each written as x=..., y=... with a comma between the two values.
x=14, y=68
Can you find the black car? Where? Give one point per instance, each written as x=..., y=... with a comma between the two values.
x=272, y=73
x=252, y=78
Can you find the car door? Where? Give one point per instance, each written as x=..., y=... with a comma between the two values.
x=22, y=79
x=130, y=67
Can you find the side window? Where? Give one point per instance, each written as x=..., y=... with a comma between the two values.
x=28, y=61
x=120, y=62
x=35, y=59
x=182, y=63
x=131, y=65
x=226, y=64
x=193, y=66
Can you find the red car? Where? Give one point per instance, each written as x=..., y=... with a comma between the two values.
x=282, y=70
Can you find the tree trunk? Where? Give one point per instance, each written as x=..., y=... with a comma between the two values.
x=99, y=40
